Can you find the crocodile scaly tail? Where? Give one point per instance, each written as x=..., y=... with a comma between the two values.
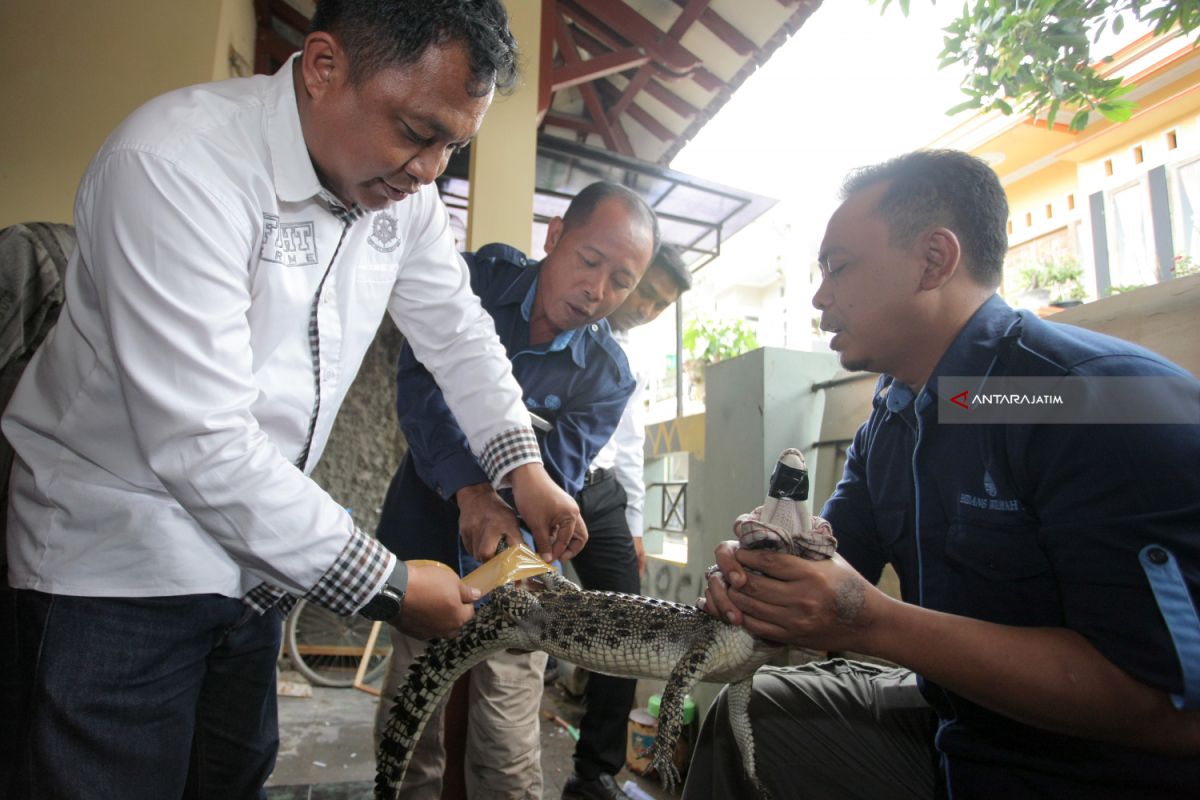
x=434, y=673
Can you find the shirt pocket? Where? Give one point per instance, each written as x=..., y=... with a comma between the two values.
x=997, y=551
x=998, y=571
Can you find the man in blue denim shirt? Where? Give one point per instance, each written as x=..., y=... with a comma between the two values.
x=550, y=318
x=1049, y=573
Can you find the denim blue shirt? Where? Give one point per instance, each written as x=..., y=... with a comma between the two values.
x=579, y=383
x=1034, y=525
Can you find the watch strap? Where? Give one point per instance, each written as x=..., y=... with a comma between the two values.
x=398, y=580
x=389, y=601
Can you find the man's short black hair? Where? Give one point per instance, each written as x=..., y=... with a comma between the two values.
x=583, y=204
x=943, y=188
x=379, y=34
x=670, y=260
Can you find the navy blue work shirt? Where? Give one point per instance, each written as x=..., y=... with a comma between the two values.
x=1035, y=525
x=579, y=383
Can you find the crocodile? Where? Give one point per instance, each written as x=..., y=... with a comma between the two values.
x=616, y=634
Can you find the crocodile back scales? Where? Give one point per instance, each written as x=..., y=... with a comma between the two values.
x=617, y=634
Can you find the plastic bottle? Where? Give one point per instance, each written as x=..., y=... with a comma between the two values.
x=634, y=791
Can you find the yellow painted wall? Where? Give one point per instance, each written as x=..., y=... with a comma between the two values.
x=1028, y=199
x=677, y=435
x=504, y=154
x=234, y=53
x=70, y=70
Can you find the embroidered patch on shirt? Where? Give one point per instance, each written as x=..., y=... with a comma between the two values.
x=990, y=503
x=383, y=233
x=293, y=244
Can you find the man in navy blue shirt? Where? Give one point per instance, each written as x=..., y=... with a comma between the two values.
x=1049, y=572
x=441, y=505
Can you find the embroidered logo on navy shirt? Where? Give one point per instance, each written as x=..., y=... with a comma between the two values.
x=383, y=233
x=293, y=244
x=991, y=503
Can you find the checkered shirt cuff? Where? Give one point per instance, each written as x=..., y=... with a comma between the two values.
x=355, y=576
x=265, y=596
x=507, y=451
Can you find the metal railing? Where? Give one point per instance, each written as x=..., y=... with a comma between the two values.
x=673, y=508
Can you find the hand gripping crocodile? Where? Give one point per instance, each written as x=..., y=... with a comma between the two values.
x=617, y=634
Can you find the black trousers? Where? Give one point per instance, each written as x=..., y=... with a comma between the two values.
x=607, y=563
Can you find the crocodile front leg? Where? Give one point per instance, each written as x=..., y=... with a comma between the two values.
x=687, y=673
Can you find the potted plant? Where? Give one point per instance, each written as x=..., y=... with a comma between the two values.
x=1183, y=266
x=707, y=341
x=1056, y=282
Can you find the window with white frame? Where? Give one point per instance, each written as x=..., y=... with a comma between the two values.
x=1186, y=210
x=1132, y=246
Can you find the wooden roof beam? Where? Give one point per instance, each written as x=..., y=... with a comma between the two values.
x=679, y=27
x=270, y=51
x=591, y=45
x=571, y=122
x=660, y=131
x=636, y=29
x=671, y=100
x=707, y=80
x=597, y=67
x=613, y=135
x=284, y=12
x=636, y=112
x=731, y=36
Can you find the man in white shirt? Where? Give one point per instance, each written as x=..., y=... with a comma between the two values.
x=611, y=502
x=239, y=243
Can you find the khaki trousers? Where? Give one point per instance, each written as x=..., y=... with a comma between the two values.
x=503, y=749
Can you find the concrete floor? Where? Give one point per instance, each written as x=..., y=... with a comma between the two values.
x=326, y=753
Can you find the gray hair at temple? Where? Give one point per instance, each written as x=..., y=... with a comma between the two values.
x=380, y=34
x=943, y=188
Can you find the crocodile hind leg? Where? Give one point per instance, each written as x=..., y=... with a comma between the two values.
x=737, y=696
x=686, y=674
x=429, y=679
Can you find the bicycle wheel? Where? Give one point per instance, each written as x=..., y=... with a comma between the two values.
x=326, y=647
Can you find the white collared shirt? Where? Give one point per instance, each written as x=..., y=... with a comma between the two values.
x=624, y=453
x=158, y=426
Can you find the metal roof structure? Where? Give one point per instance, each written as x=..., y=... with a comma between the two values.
x=624, y=86
x=694, y=214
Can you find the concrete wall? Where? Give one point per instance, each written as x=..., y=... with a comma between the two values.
x=1164, y=317
x=366, y=444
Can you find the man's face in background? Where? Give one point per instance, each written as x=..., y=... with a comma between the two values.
x=654, y=293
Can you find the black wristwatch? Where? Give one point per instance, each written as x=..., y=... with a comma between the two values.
x=386, y=605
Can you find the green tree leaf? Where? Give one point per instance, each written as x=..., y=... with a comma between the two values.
x=1029, y=55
